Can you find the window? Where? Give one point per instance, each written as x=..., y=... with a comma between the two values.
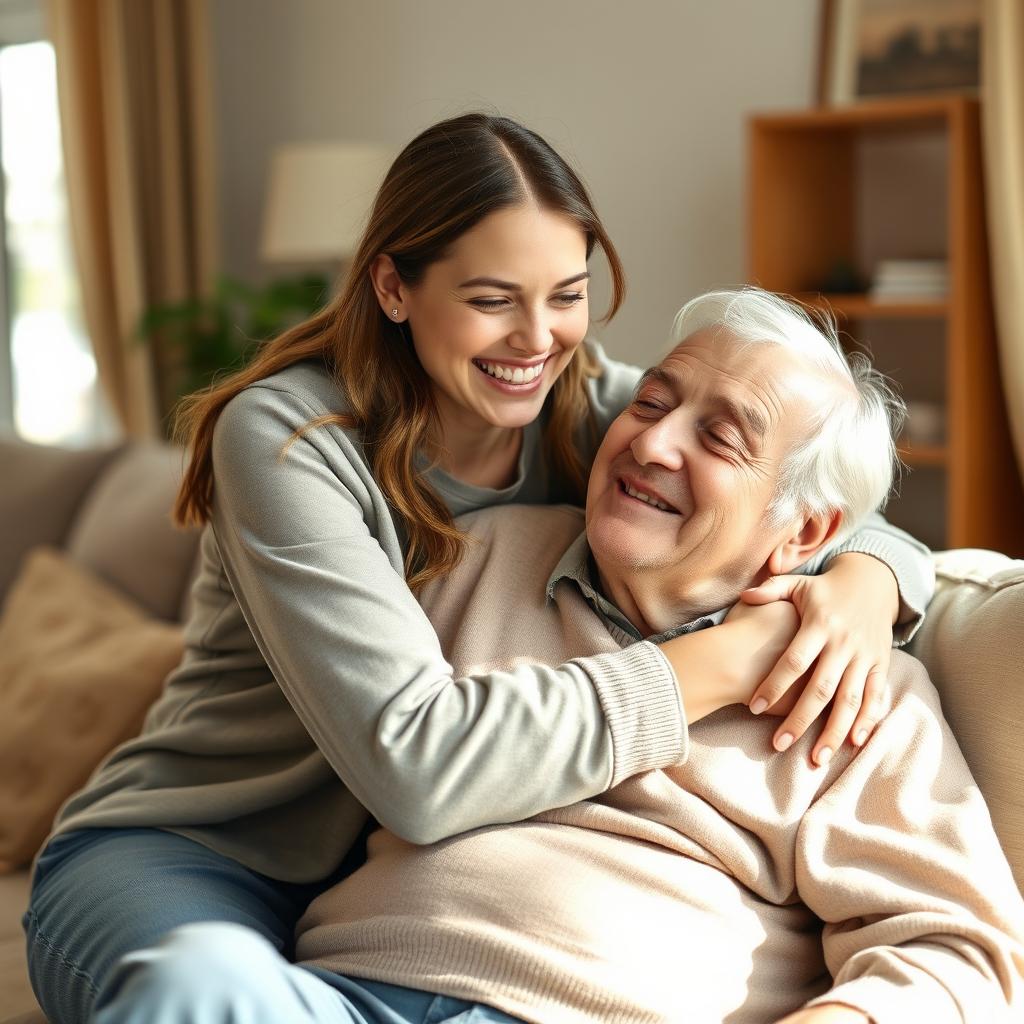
x=49, y=392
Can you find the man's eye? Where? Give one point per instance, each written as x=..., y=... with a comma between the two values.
x=644, y=405
x=719, y=438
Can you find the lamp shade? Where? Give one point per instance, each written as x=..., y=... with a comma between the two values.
x=318, y=199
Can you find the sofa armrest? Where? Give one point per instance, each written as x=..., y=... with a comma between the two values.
x=971, y=643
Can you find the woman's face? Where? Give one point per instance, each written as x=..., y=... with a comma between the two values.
x=498, y=319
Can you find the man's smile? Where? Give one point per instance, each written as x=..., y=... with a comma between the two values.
x=646, y=495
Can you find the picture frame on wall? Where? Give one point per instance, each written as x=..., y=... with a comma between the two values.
x=872, y=49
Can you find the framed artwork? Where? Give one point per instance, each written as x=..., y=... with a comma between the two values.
x=876, y=48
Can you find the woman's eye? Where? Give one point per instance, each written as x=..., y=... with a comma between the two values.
x=569, y=298
x=489, y=303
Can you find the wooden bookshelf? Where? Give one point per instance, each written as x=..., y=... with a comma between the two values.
x=805, y=217
x=863, y=307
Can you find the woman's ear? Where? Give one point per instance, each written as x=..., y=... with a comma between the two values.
x=388, y=287
x=807, y=538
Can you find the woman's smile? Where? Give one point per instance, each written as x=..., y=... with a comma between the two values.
x=512, y=378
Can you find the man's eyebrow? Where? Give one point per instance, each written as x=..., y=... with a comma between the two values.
x=658, y=374
x=509, y=286
x=749, y=418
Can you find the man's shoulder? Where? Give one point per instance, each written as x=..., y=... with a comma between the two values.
x=909, y=681
x=548, y=525
x=530, y=537
x=515, y=547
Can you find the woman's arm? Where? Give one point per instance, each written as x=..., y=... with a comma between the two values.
x=909, y=561
x=312, y=556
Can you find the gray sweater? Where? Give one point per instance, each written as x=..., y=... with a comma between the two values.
x=313, y=687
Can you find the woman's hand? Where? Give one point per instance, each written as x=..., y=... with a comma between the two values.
x=827, y=1013
x=846, y=618
x=723, y=664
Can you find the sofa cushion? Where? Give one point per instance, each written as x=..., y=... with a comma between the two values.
x=42, y=489
x=971, y=643
x=79, y=667
x=124, y=532
x=17, y=1003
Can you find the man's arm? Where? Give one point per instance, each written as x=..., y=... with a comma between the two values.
x=898, y=857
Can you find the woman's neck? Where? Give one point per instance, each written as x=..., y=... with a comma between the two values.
x=475, y=452
x=485, y=459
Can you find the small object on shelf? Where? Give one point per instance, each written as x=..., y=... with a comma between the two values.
x=842, y=279
x=926, y=424
x=897, y=280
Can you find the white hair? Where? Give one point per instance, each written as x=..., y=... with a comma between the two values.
x=848, y=461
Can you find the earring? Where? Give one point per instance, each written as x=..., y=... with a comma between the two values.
x=394, y=312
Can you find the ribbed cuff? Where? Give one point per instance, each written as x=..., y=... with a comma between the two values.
x=914, y=572
x=887, y=1002
x=640, y=698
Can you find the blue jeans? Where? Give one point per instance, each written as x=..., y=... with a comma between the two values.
x=141, y=926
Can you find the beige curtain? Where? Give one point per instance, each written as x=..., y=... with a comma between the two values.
x=1003, y=128
x=135, y=107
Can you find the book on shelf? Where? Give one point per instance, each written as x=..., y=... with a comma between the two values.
x=903, y=280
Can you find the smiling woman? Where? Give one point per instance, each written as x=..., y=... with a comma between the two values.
x=494, y=323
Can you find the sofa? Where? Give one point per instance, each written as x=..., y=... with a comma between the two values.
x=107, y=512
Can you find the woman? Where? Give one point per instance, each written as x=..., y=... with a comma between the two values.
x=447, y=375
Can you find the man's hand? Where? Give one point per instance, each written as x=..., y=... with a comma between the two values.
x=846, y=617
x=827, y=1013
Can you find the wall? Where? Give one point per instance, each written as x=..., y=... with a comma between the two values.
x=647, y=99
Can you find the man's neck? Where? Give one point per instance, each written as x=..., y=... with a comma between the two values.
x=649, y=612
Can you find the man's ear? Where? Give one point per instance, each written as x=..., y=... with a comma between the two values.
x=804, y=541
x=391, y=292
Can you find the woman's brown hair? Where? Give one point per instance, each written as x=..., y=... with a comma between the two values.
x=443, y=183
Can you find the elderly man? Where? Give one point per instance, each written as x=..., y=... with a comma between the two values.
x=741, y=885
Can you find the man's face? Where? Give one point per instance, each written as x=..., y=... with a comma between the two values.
x=702, y=442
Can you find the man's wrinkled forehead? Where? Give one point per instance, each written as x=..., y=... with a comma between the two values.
x=748, y=416
x=748, y=382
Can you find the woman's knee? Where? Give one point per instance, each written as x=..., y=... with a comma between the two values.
x=63, y=987
x=211, y=971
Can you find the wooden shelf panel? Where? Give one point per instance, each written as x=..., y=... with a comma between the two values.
x=897, y=114
x=923, y=454
x=863, y=307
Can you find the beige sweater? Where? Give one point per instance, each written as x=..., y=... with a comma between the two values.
x=696, y=894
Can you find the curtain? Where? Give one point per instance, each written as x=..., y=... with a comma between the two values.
x=1003, y=134
x=135, y=107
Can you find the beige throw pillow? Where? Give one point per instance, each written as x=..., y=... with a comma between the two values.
x=79, y=666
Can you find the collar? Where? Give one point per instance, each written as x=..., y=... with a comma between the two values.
x=577, y=567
